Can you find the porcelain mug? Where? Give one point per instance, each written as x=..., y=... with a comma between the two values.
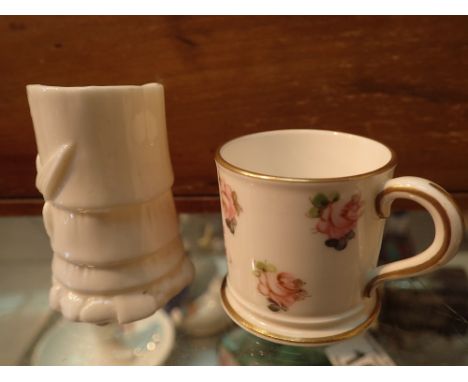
x=303, y=216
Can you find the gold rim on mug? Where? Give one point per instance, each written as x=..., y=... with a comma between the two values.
x=298, y=340
x=242, y=171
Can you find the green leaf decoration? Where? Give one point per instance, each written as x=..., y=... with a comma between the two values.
x=274, y=307
x=237, y=206
x=334, y=197
x=231, y=224
x=257, y=273
x=270, y=267
x=260, y=266
x=298, y=283
x=320, y=201
x=314, y=212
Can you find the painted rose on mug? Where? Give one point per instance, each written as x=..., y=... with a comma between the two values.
x=337, y=218
x=281, y=289
x=229, y=204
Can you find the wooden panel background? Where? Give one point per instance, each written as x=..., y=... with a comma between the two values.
x=401, y=80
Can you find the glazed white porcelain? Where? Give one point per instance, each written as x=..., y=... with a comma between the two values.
x=303, y=218
x=105, y=173
x=147, y=342
x=112, y=236
x=109, y=141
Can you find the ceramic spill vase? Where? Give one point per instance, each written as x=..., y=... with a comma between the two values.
x=104, y=169
x=303, y=217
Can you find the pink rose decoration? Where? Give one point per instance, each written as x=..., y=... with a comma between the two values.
x=282, y=289
x=229, y=204
x=336, y=222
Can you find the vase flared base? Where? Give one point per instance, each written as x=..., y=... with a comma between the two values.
x=146, y=342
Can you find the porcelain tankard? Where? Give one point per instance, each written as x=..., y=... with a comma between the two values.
x=303, y=216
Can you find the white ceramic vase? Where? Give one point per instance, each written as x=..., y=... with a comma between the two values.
x=105, y=173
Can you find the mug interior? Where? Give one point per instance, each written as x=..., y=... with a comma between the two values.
x=306, y=154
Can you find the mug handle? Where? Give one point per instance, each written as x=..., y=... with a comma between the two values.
x=448, y=224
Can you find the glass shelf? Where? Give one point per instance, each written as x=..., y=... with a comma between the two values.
x=424, y=320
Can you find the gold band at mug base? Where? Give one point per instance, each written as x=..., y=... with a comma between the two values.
x=298, y=341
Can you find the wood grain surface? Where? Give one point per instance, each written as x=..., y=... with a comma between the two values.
x=401, y=80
